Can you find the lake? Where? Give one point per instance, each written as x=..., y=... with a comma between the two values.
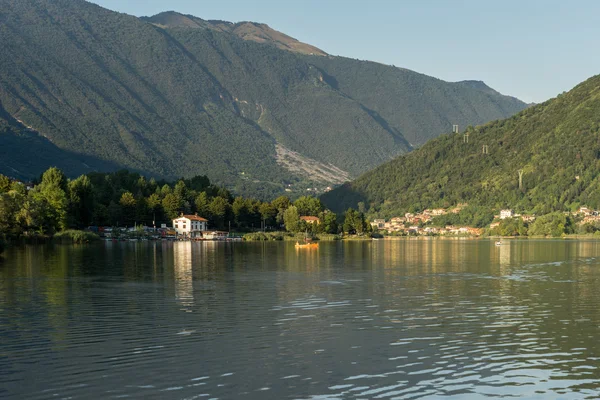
x=386, y=319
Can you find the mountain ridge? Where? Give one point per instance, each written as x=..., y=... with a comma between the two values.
x=246, y=30
x=173, y=102
x=543, y=159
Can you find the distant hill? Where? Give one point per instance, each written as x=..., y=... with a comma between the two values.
x=554, y=145
x=174, y=95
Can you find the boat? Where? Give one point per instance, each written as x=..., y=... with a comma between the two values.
x=309, y=245
x=498, y=243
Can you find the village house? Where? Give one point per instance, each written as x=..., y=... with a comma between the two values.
x=528, y=218
x=311, y=220
x=378, y=224
x=585, y=211
x=190, y=225
x=435, y=212
x=506, y=214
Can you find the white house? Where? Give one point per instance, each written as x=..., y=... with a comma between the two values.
x=189, y=225
x=506, y=214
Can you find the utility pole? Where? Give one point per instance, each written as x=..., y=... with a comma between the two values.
x=520, y=179
x=466, y=137
x=486, y=149
x=454, y=128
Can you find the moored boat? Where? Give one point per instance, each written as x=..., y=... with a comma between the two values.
x=310, y=245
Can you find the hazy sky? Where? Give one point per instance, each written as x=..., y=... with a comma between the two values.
x=531, y=49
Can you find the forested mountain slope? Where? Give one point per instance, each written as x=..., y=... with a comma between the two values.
x=253, y=31
x=416, y=105
x=110, y=90
x=555, y=146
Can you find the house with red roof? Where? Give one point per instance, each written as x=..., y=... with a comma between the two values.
x=311, y=220
x=190, y=225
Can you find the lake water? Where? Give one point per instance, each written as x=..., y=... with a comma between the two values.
x=403, y=319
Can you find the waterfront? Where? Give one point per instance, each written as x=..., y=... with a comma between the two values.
x=423, y=318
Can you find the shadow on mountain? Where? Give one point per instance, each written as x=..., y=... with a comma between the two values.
x=343, y=198
x=26, y=155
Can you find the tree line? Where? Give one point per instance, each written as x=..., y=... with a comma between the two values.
x=123, y=199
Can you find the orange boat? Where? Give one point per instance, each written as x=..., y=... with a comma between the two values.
x=307, y=245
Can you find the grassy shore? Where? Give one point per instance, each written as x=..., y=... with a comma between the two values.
x=286, y=236
x=298, y=237
x=75, y=237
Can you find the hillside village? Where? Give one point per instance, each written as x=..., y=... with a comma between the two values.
x=422, y=224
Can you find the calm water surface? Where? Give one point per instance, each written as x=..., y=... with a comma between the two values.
x=406, y=319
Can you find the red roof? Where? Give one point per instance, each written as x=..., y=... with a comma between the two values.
x=194, y=218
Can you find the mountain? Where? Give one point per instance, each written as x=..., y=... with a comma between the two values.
x=260, y=33
x=554, y=146
x=174, y=95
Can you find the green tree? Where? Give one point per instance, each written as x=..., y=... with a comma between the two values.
x=291, y=219
x=100, y=216
x=267, y=213
x=155, y=209
x=202, y=204
x=553, y=224
x=53, y=190
x=329, y=222
x=240, y=212
x=219, y=212
x=4, y=184
x=180, y=190
x=172, y=205
x=128, y=208
x=308, y=206
x=281, y=203
x=81, y=202
x=354, y=222
x=35, y=215
x=10, y=204
x=115, y=214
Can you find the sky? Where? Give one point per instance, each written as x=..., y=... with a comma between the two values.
x=530, y=49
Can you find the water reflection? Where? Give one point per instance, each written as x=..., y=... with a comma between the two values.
x=182, y=265
x=411, y=318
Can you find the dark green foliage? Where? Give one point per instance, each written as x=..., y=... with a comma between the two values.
x=553, y=224
x=329, y=222
x=98, y=90
x=291, y=219
x=308, y=206
x=556, y=145
x=511, y=227
x=355, y=223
